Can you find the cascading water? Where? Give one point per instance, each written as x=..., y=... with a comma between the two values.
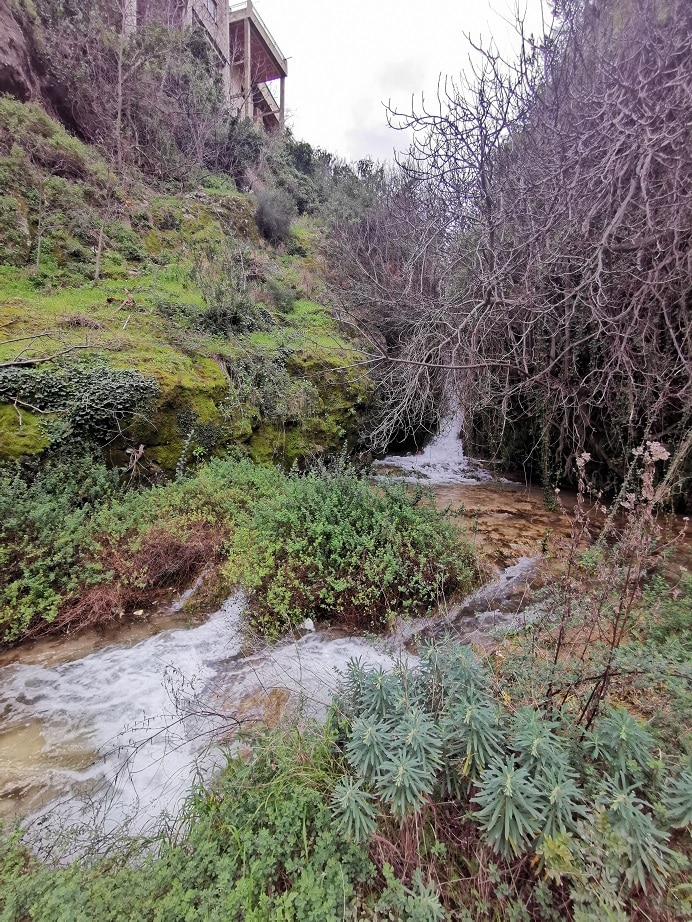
x=442, y=460
x=117, y=737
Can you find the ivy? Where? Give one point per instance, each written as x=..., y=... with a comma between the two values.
x=93, y=400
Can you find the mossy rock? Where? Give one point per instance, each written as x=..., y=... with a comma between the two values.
x=20, y=437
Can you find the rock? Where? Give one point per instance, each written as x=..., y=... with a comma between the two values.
x=18, y=75
x=308, y=624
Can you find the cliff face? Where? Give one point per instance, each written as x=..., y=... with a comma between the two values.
x=19, y=65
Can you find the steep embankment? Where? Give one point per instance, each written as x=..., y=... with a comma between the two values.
x=132, y=317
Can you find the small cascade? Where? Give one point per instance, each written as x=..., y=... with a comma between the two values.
x=442, y=460
x=115, y=739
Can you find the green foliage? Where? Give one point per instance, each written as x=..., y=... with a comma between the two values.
x=61, y=522
x=421, y=740
x=70, y=527
x=91, y=400
x=417, y=903
x=649, y=858
x=354, y=808
x=622, y=744
x=265, y=383
x=330, y=545
x=510, y=808
x=275, y=214
x=669, y=612
x=45, y=527
x=221, y=276
x=678, y=800
x=237, y=148
x=14, y=231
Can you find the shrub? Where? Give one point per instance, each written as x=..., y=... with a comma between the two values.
x=77, y=550
x=436, y=739
x=275, y=213
x=222, y=278
x=136, y=571
x=330, y=545
x=44, y=529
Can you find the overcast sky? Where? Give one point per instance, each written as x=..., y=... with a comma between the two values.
x=347, y=58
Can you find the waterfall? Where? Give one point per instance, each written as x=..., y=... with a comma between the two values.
x=442, y=460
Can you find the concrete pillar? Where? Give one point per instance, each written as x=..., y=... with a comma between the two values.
x=247, y=63
x=282, y=103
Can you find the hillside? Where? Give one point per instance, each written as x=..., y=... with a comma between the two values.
x=256, y=664
x=136, y=317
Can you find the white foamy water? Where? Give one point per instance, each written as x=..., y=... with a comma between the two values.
x=118, y=737
x=442, y=460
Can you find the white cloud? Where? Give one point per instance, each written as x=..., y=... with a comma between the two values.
x=347, y=58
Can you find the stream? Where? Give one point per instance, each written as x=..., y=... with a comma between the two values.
x=109, y=732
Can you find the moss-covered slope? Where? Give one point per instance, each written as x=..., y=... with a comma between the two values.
x=177, y=289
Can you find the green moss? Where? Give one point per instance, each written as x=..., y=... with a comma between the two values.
x=20, y=433
x=144, y=313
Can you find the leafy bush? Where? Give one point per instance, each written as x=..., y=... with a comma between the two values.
x=222, y=278
x=265, y=383
x=77, y=549
x=45, y=527
x=417, y=741
x=330, y=545
x=275, y=213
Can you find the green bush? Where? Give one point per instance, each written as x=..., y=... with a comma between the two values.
x=275, y=214
x=59, y=526
x=326, y=545
x=45, y=533
x=222, y=278
x=440, y=738
x=331, y=545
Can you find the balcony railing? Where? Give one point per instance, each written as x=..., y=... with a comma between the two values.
x=269, y=97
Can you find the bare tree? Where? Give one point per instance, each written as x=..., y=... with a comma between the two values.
x=563, y=183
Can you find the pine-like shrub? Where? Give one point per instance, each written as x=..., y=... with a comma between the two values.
x=417, y=739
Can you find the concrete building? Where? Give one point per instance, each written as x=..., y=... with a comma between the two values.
x=248, y=57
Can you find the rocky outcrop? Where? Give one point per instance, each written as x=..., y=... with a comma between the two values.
x=18, y=66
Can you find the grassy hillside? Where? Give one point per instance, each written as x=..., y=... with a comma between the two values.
x=168, y=320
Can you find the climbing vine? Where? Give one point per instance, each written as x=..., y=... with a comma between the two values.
x=91, y=400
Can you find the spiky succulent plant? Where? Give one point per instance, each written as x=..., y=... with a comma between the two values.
x=354, y=808
x=677, y=799
x=511, y=808
x=622, y=743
